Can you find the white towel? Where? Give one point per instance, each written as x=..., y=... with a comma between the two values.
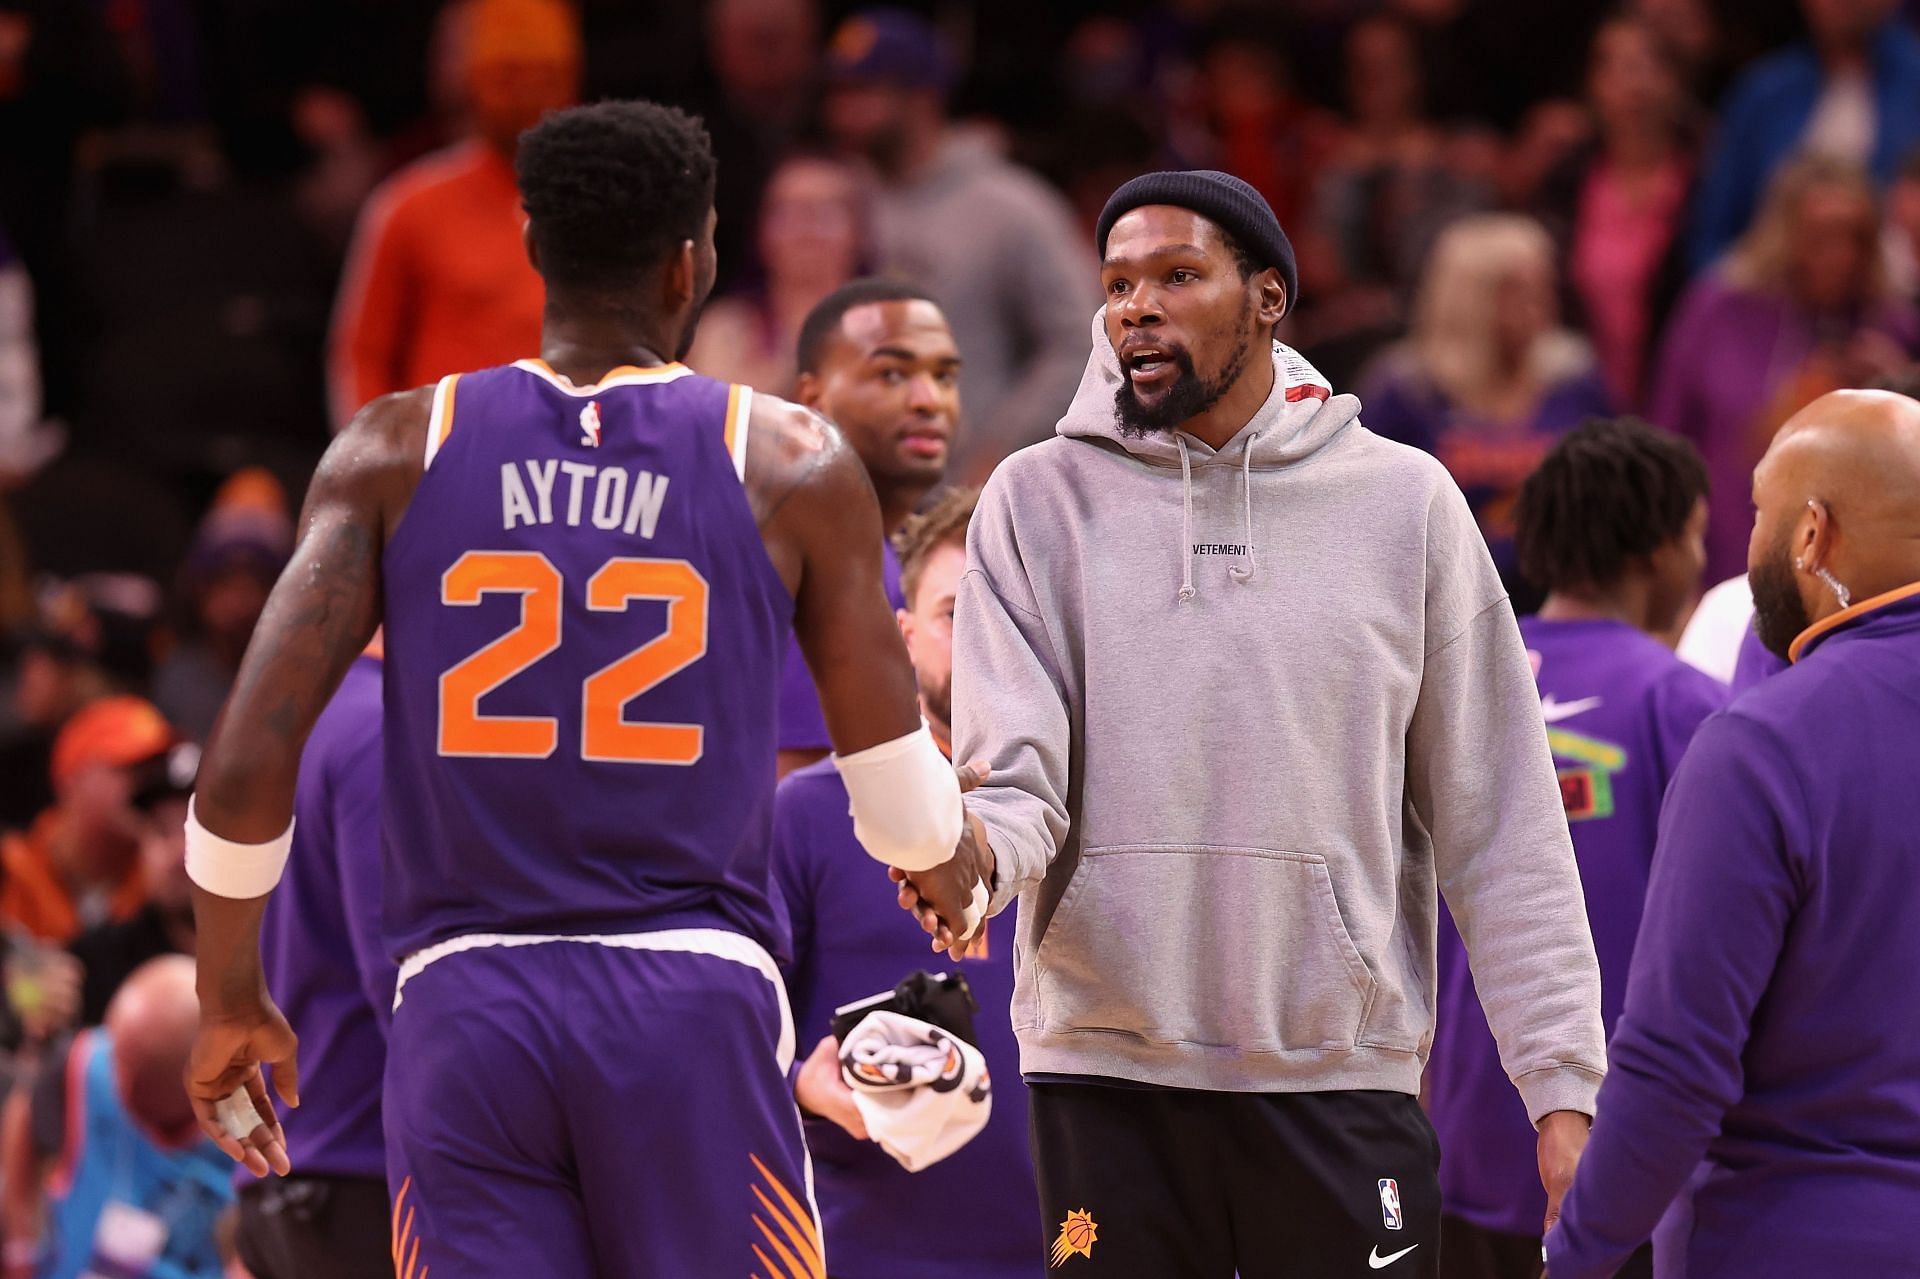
x=923, y=1092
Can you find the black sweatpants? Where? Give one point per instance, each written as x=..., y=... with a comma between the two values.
x=1172, y=1184
x=316, y=1228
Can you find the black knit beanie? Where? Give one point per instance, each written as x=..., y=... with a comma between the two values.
x=1222, y=199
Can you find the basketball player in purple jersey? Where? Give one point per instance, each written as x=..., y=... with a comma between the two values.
x=1611, y=526
x=877, y=358
x=587, y=565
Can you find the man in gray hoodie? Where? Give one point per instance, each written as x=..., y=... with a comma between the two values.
x=1251, y=692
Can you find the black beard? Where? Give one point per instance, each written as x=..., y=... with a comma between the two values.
x=1188, y=398
x=1779, y=614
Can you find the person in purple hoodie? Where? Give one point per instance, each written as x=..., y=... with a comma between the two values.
x=877, y=359
x=1612, y=528
x=320, y=943
x=850, y=941
x=1763, y=1104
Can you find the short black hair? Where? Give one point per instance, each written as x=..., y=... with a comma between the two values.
x=1605, y=495
x=824, y=320
x=613, y=189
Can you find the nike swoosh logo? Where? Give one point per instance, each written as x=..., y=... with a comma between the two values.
x=1377, y=1262
x=1553, y=712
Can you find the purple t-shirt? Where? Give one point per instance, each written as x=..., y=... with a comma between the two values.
x=802, y=726
x=850, y=940
x=320, y=940
x=1620, y=710
x=1766, y=1069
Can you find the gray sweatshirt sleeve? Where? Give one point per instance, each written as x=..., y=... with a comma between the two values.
x=1009, y=705
x=1480, y=777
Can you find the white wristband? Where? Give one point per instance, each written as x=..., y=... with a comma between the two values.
x=227, y=869
x=905, y=801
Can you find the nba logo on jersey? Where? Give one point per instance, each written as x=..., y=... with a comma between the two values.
x=1390, y=1203
x=590, y=425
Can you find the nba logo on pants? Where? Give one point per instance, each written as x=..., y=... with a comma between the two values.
x=1390, y=1203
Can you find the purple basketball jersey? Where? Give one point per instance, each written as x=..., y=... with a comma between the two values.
x=1620, y=709
x=584, y=639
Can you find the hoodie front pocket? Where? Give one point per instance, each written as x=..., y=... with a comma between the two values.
x=1229, y=947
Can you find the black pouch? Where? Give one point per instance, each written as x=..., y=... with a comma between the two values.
x=944, y=999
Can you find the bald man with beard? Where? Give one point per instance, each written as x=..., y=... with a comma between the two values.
x=1764, y=1090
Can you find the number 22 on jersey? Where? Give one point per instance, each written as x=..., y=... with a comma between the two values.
x=606, y=735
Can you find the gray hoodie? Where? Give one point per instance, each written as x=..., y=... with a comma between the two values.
x=1246, y=711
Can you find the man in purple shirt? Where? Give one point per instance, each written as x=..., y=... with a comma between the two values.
x=877, y=358
x=324, y=960
x=1764, y=1100
x=1611, y=528
x=851, y=941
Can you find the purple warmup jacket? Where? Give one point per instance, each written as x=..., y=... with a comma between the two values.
x=851, y=940
x=1765, y=1080
x=320, y=940
x=1620, y=710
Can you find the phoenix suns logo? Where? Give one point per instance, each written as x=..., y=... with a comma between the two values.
x=1077, y=1236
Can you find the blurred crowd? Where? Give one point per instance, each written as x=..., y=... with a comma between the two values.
x=225, y=225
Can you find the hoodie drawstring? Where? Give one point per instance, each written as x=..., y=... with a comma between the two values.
x=1186, y=521
x=1237, y=573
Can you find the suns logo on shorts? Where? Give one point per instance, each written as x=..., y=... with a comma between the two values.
x=788, y=1229
x=406, y=1244
x=1077, y=1236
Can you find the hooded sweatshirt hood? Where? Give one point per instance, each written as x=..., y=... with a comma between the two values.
x=1300, y=417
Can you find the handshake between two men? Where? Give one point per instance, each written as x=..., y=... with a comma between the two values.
x=950, y=899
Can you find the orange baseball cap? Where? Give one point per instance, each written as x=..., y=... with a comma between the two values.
x=116, y=731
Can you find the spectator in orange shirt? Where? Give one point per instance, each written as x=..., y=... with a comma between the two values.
x=79, y=864
x=438, y=280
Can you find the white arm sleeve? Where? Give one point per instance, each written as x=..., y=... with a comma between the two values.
x=905, y=801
